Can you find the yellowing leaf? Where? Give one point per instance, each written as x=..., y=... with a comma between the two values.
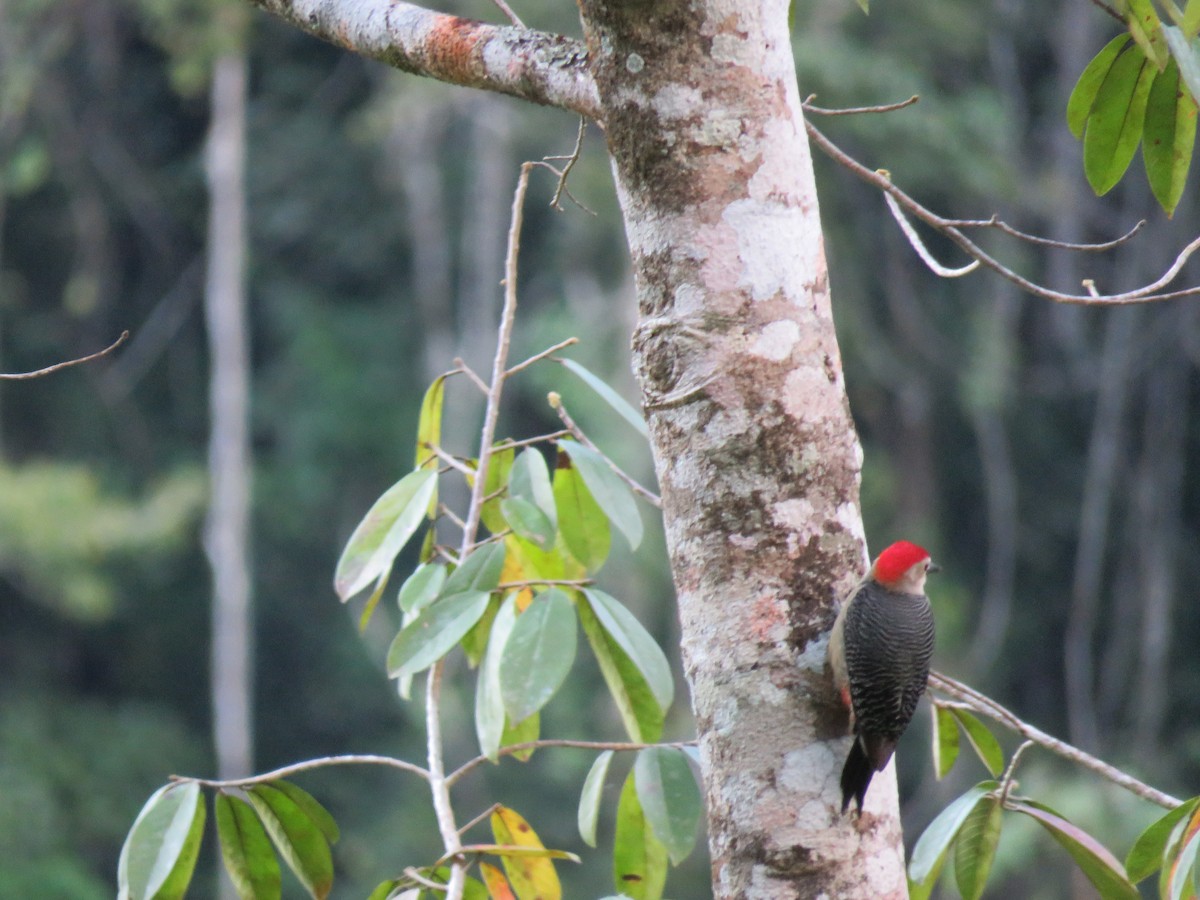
x=532, y=878
x=429, y=424
x=497, y=884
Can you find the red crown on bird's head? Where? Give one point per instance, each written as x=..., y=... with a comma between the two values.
x=896, y=560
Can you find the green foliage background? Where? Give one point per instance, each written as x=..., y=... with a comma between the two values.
x=982, y=412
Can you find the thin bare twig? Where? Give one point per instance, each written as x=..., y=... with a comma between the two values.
x=451, y=461
x=1000, y=225
x=500, y=363
x=537, y=357
x=856, y=110
x=1007, y=781
x=508, y=11
x=557, y=405
x=438, y=786
x=438, y=782
x=411, y=873
x=1108, y=9
x=308, y=765
x=23, y=376
x=479, y=818
x=460, y=366
x=561, y=188
x=988, y=707
x=1152, y=292
x=618, y=746
x=548, y=582
x=451, y=515
x=510, y=444
x=914, y=241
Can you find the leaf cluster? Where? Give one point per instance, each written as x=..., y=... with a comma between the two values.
x=1141, y=88
x=971, y=825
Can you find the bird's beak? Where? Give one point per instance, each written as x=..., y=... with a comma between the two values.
x=934, y=567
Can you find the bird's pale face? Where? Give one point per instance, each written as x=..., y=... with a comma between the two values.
x=913, y=579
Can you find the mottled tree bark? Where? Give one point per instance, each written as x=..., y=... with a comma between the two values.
x=742, y=385
x=756, y=452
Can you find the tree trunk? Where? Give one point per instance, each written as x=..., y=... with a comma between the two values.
x=226, y=533
x=742, y=384
x=756, y=452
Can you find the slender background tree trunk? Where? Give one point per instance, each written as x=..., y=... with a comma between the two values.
x=226, y=537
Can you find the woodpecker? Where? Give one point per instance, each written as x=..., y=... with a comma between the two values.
x=879, y=652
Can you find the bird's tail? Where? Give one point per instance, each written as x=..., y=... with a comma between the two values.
x=856, y=775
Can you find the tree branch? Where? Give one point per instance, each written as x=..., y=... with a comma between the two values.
x=22, y=376
x=951, y=229
x=308, y=765
x=533, y=65
x=988, y=707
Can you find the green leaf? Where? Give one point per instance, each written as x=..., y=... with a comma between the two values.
x=522, y=733
x=1146, y=29
x=581, y=522
x=386, y=889
x=636, y=642
x=312, y=808
x=669, y=798
x=368, y=610
x=975, y=848
x=609, y=491
x=589, y=797
x=930, y=850
x=1115, y=126
x=421, y=587
x=435, y=632
x=474, y=642
x=383, y=532
x=1186, y=51
x=611, y=397
x=639, y=858
x=480, y=571
x=1101, y=867
x=986, y=747
x=1147, y=853
x=489, y=705
x=1083, y=97
x=246, y=850
x=429, y=424
x=159, y=854
x=530, y=480
x=945, y=740
x=527, y=521
x=538, y=654
x=499, y=467
x=640, y=712
x=1191, y=18
x=1169, y=137
x=296, y=836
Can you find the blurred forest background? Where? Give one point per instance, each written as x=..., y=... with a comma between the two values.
x=1047, y=455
